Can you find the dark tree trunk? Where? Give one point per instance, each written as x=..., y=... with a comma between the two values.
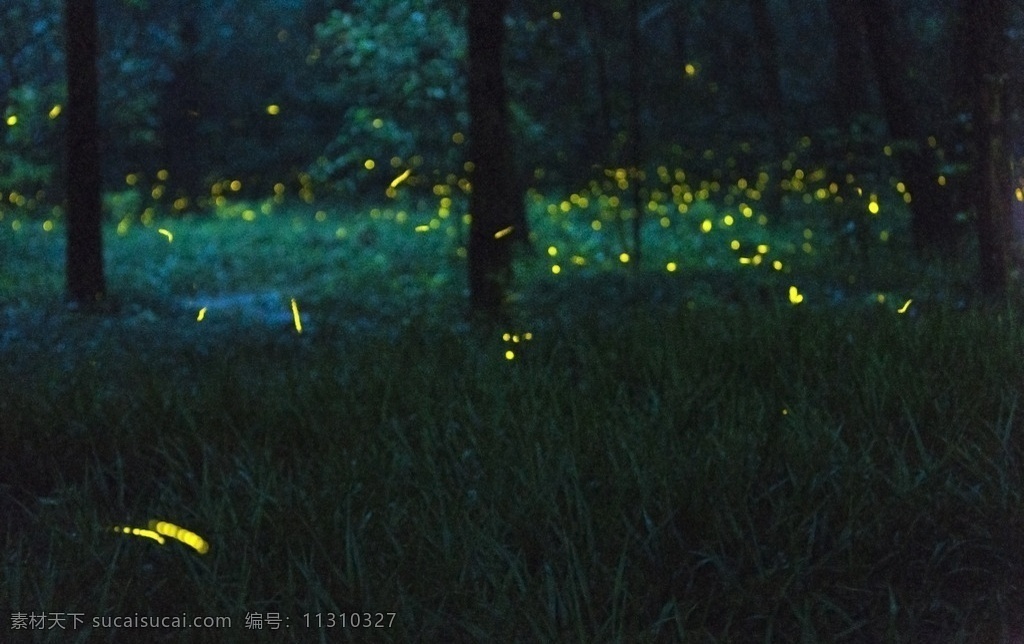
x=932, y=218
x=181, y=120
x=86, y=285
x=849, y=95
x=594, y=31
x=767, y=48
x=635, y=135
x=986, y=21
x=493, y=206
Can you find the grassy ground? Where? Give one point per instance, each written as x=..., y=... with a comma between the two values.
x=664, y=456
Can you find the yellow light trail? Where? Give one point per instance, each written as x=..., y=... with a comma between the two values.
x=400, y=178
x=295, y=316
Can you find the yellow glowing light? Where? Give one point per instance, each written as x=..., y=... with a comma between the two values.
x=422, y=228
x=202, y=314
x=369, y=164
x=552, y=251
x=880, y=298
x=377, y=124
x=873, y=208
x=690, y=69
x=905, y=307
x=706, y=225
x=47, y=225
x=295, y=316
x=509, y=355
x=166, y=233
x=54, y=111
x=12, y=120
x=734, y=244
x=400, y=178
x=595, y=225
x=883, y=236
x=671, y=267
x=235, y=185
x=504, y=232
x=762, y=248
x=131, y=179
x=795, y=296
x=458, y=138
x=162, y=175
x=777, y=265
x=556, y=15
x=273, y=110
x=178, y=533
x=1020, y=194
x=624, y=257
x=556, y=269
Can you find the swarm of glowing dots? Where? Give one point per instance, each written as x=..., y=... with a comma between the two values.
x=795, y=296
x=296, y=317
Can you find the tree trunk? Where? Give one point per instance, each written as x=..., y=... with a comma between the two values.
x=635, y=136
x=986, y=21
x=181, y=119
x=932, y=218
x=86, y=285
x=849, y=95
x=492, y=201
x=767, y=48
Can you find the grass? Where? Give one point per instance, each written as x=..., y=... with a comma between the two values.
x=670, y=456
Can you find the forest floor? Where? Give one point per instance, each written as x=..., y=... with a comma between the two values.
x=822, y=444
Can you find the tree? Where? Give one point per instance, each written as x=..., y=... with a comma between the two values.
x=932, y=218
x=86, y=285
x=985, y=23
x=492, y=201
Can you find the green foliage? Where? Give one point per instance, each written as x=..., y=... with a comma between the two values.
x=397, y=76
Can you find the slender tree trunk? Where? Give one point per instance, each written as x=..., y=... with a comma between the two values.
x=635, y=134
x=86, y=285
x=767, y=48
x=932, y=218
x=182, y=104
x=986, y=21
x=849, y=95
x=492, y=207
x=594, y=30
